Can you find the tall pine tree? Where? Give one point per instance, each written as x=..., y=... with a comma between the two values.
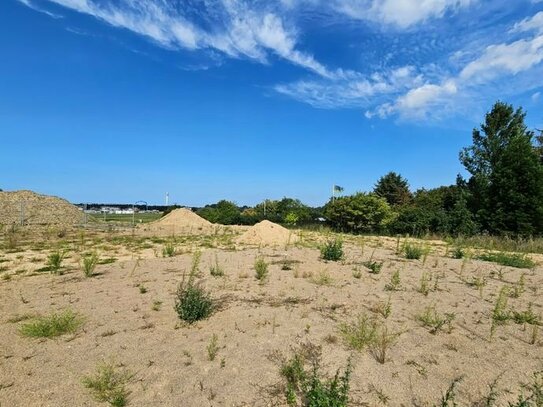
x=506, y=181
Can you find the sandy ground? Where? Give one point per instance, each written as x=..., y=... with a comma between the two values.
x=254, y=321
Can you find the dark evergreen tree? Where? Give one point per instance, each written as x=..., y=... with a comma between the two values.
x=394, y=188
x=506, y=184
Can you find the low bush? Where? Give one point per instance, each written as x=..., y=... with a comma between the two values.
x=88, y=264
x=168, y=250
x=108, y=385
x=374, y=267
x=413, y=251
x=192, y=302
x=306, y=384
x=54, y=262
x=431, y=319
x=261, y=269
x=332, y=250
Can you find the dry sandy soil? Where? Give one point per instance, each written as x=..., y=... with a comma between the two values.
x=256, y=321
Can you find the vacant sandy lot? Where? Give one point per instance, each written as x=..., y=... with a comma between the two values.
x=255, y=321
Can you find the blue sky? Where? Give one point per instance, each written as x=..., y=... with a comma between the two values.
x=125, y=100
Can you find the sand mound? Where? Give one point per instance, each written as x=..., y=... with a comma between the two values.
x=36, y=209
x=182, y=221
x=267, y=233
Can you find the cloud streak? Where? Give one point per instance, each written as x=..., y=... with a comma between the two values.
x=260, y=31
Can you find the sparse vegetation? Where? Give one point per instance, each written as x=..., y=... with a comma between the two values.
x=213, y=347
x=500, y=314
x=306, y=384
x=261, y=269
x=374, y=267
x=508, y=259
x=413, y=251
x=395, y=282
x=433, y=320
x=108, y=385
x=88, y=264
x=168, y=250
x=54, y=262
x=361, y=333
x=215, y=269
x=53, y=325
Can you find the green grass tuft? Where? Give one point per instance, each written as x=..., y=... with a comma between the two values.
x=52, y=325
x=509, y=259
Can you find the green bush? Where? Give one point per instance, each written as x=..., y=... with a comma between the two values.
x=412, y=251
x=458, y=253
x=192, y=302
x=54, y=262
x=261, y=269
x=168, y=250
x=332, y=250
x=373, y=266
x=88, y=264
x=307, y=385
x=108, y=385
x=359, y=213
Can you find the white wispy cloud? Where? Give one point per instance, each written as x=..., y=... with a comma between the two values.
x=33, y=6
x=506, y=58
x=259, y=29
x=531, y=23
x=402, y=13
x=244, y=32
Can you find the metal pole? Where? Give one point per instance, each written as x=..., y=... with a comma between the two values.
x=133, y=215
x=22, y=213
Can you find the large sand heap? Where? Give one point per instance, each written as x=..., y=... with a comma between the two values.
x=37, y=209
x=267, y=233
x=182, y=220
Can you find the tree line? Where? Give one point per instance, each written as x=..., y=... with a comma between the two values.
x=503, y=194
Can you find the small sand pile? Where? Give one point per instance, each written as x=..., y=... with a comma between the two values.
x=37, y=209
x=182, y=220
x=267, y=233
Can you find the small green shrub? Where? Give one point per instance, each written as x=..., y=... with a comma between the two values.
x=108, y=385
x=215, y=269
x=88, y=264
x=168, y=250
x=195, y=265
x=261, y=269
x=307, y=385
x=52, y=325
x=430, y=318
x=413, y=251
x=518, y=288
x=213, y=347
x=332, y=250
x=359, y=334
x=395, y=282
x=500, y=314
x=458, y=253
x=374, y=267
x=323, y=278
x=54, y=262
x=526, y=317
x=509, y=259
x=382, y=343
x=192, y=302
